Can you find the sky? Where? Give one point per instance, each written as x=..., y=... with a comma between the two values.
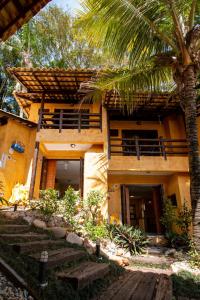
x=71, y=4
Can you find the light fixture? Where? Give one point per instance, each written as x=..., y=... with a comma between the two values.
x=132, y=196
x=72, y=145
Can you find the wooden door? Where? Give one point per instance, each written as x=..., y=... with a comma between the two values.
x=51, y=174
x=125, y=205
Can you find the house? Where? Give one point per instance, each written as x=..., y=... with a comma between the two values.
x=137, y=158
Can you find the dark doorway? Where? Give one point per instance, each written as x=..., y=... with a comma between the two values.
x=145, y=139
x=142, y=207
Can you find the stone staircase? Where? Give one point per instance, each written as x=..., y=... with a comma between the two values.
x=73, y=266
x=61, y=255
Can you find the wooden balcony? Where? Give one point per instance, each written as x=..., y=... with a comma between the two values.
x=147, y=147
x=70, y=120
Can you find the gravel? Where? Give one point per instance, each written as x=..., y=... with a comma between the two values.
x=10, y=292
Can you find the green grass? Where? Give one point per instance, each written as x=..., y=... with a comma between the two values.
x=186, y=284
x=141, y=265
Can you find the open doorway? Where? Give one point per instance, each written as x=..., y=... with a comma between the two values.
x=68, y=173
x=142, y=207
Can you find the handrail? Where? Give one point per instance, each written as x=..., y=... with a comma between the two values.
x=69, y=120
x=148, y=147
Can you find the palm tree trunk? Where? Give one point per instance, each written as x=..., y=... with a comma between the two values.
x=189, y=101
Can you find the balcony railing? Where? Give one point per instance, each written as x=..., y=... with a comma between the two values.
x=69, y=120
x=148, y=147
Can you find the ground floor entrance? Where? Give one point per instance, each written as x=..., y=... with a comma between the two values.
x=62, y=173
x=142, y=207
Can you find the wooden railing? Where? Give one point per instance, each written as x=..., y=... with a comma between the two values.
x=147, y=147
x=69, y=120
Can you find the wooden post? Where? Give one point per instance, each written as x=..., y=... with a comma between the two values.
x=163, y=148
x=127, y=206
x=101, y=111
x=61, y=121
x=34, y=169
x=41, y=112
x=137, y=147
x=108, y=135
x=79, y=122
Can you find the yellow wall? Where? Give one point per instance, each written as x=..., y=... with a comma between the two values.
x=17, y=169
x=172, y=184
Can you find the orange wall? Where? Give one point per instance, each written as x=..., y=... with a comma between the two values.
x=18, y=167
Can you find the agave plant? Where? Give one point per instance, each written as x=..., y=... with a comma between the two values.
x=128, y=237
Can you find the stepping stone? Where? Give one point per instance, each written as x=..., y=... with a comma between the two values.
x=41, y=245
x=84, y=274
x=60, y=256
x=14, y=228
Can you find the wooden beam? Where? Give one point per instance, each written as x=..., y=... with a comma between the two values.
x=34, y=170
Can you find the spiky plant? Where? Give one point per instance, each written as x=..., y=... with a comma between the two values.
x=129, y=238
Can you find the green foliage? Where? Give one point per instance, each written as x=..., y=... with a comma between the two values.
x=92, y=206
x=49, y=202
x=186, y=284
x=194, y=256
x=184, y=219
x=3, y=201
x=96, y=232
x=69, y=205
x=128, y=237
x=168, y=218
x=94, y=225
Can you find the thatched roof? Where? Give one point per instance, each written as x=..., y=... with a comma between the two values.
x=15, y=13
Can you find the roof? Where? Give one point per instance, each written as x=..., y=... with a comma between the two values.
x=144, y=104
x=15, y=13
x=73, y=85
x=4, y=116
x=57, y=84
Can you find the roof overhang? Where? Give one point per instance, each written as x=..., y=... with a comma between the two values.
x=76, y=85
x=5, y=116
x=15, y=13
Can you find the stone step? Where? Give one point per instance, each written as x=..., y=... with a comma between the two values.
x=60, y=256
x=84, y=274
x=153, y=250
x=155, y=260
x=24, y=236
x=157, y=240
x=28, y=247
x=14, y=228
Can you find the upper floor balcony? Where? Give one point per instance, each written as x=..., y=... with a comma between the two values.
x=139, y=147
x=68, y=119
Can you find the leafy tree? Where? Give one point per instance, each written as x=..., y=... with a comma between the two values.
x=53, y=38
x=161, y=39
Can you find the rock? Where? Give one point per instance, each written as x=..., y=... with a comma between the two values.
x=171, y=252
x=89, y=246
x=119, y=260
x=59, y=232
x=28, y=219
x=183, y=266
x=120, y=252
x=40, y=224
x=73, y=238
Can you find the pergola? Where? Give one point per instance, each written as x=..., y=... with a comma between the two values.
x=15, y=13
x=56, y=85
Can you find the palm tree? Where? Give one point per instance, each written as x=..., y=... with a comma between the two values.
x=160, y=41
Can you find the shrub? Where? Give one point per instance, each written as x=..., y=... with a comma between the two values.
x=92, y=206
x=69, y=205
x=128, y=237
x=169, y=216
x=194, y=256
x=96, y=232
x=49, y=202
x=184, y=219
x=2, y=200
